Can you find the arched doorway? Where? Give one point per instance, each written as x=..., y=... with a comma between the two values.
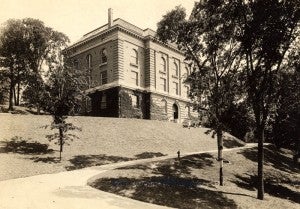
x=175, y=112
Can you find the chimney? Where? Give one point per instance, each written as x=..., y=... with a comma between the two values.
x=110, y=17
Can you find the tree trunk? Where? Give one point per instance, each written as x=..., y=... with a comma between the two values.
x=38, y=108
x=11, y=92
x=15, y=95
x=60, y=142
x=220, y=153
x=18, y=94
x=260, y=163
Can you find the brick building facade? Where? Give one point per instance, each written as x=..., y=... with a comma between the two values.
x=131, y=74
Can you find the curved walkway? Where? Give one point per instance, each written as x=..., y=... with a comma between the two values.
x=69, y=190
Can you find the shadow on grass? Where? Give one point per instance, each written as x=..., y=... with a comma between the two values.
x=173, y=167
x=272, y=188
x=82, y=161
x=45, y=159
x=22, y=146
x=230, y=142
x=170, y=184
x=145, y=155
x=273, y=157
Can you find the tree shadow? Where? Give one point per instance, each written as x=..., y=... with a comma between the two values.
x=169, y=183
x=272, y=157
x=168, y=190
x=272, y=188
x=45, y=159
x=230, y=142
x=172, y=167
x=22, y=146
x=145, y=155
x=83, y=161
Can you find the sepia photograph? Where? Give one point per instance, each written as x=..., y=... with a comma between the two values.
x=149, y=104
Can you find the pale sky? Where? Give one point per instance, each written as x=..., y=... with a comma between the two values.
x=77, y=17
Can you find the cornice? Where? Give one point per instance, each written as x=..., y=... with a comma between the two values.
x=125, y=30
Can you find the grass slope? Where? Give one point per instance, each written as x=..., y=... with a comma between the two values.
x=193, y=182
x=25, y=151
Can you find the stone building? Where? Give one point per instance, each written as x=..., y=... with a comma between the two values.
x=131, y=74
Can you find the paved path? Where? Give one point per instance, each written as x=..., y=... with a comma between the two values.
x=69, y=190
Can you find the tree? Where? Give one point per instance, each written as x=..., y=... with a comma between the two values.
x=12, y=51
x=208, y=42
x=26, y=46
x=286, y=119
x=45, y=45
x=62, y=97
x=267, y=30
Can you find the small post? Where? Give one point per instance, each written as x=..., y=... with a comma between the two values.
x=178, y=153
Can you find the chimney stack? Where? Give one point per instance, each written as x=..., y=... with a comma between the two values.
x=110, y=17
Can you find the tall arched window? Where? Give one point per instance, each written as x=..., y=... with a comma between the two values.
x=187, y=72
x=134, y=57
x=163, y=64
x=175, y=69
x=187, y=89
x=103, y=56
x=89, y=61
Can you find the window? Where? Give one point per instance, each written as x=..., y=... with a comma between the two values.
x=175, y=69
x=76, y=64
x=163, y=84
x=163, y=64
x=135, y=78
x=187, y=91
x=134, y=57
x=176, y=90
x=186, y=73
x=189, y=111
x=103, y=77
x=103, y=102
x=135, y=100
x=89, y=61
x=165, y=105
x=104, y=56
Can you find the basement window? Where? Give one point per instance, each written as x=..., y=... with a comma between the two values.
x=103, y=102
x=135, y=100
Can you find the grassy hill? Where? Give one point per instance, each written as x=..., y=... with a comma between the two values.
x=101, y=141
x=193, y=182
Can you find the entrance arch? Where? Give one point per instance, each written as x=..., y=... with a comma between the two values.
x=175, y=112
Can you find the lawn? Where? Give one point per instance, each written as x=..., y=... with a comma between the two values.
x=25, y=151
x=193, y=181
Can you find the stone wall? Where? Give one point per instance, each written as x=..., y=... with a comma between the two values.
x=162, y=108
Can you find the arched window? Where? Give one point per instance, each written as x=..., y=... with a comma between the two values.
x=103, y=56
x=187, y=73
x=187, y=91
x=175, y=69
x=134, y=57
x=89, y=61
x=163, y=64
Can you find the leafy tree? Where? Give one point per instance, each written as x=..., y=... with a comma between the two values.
x=267, y=28
x=27, y=45
x=286, y=120
x=62, y=97
x=208, y=42
x=45, y=47
x=12, y=48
